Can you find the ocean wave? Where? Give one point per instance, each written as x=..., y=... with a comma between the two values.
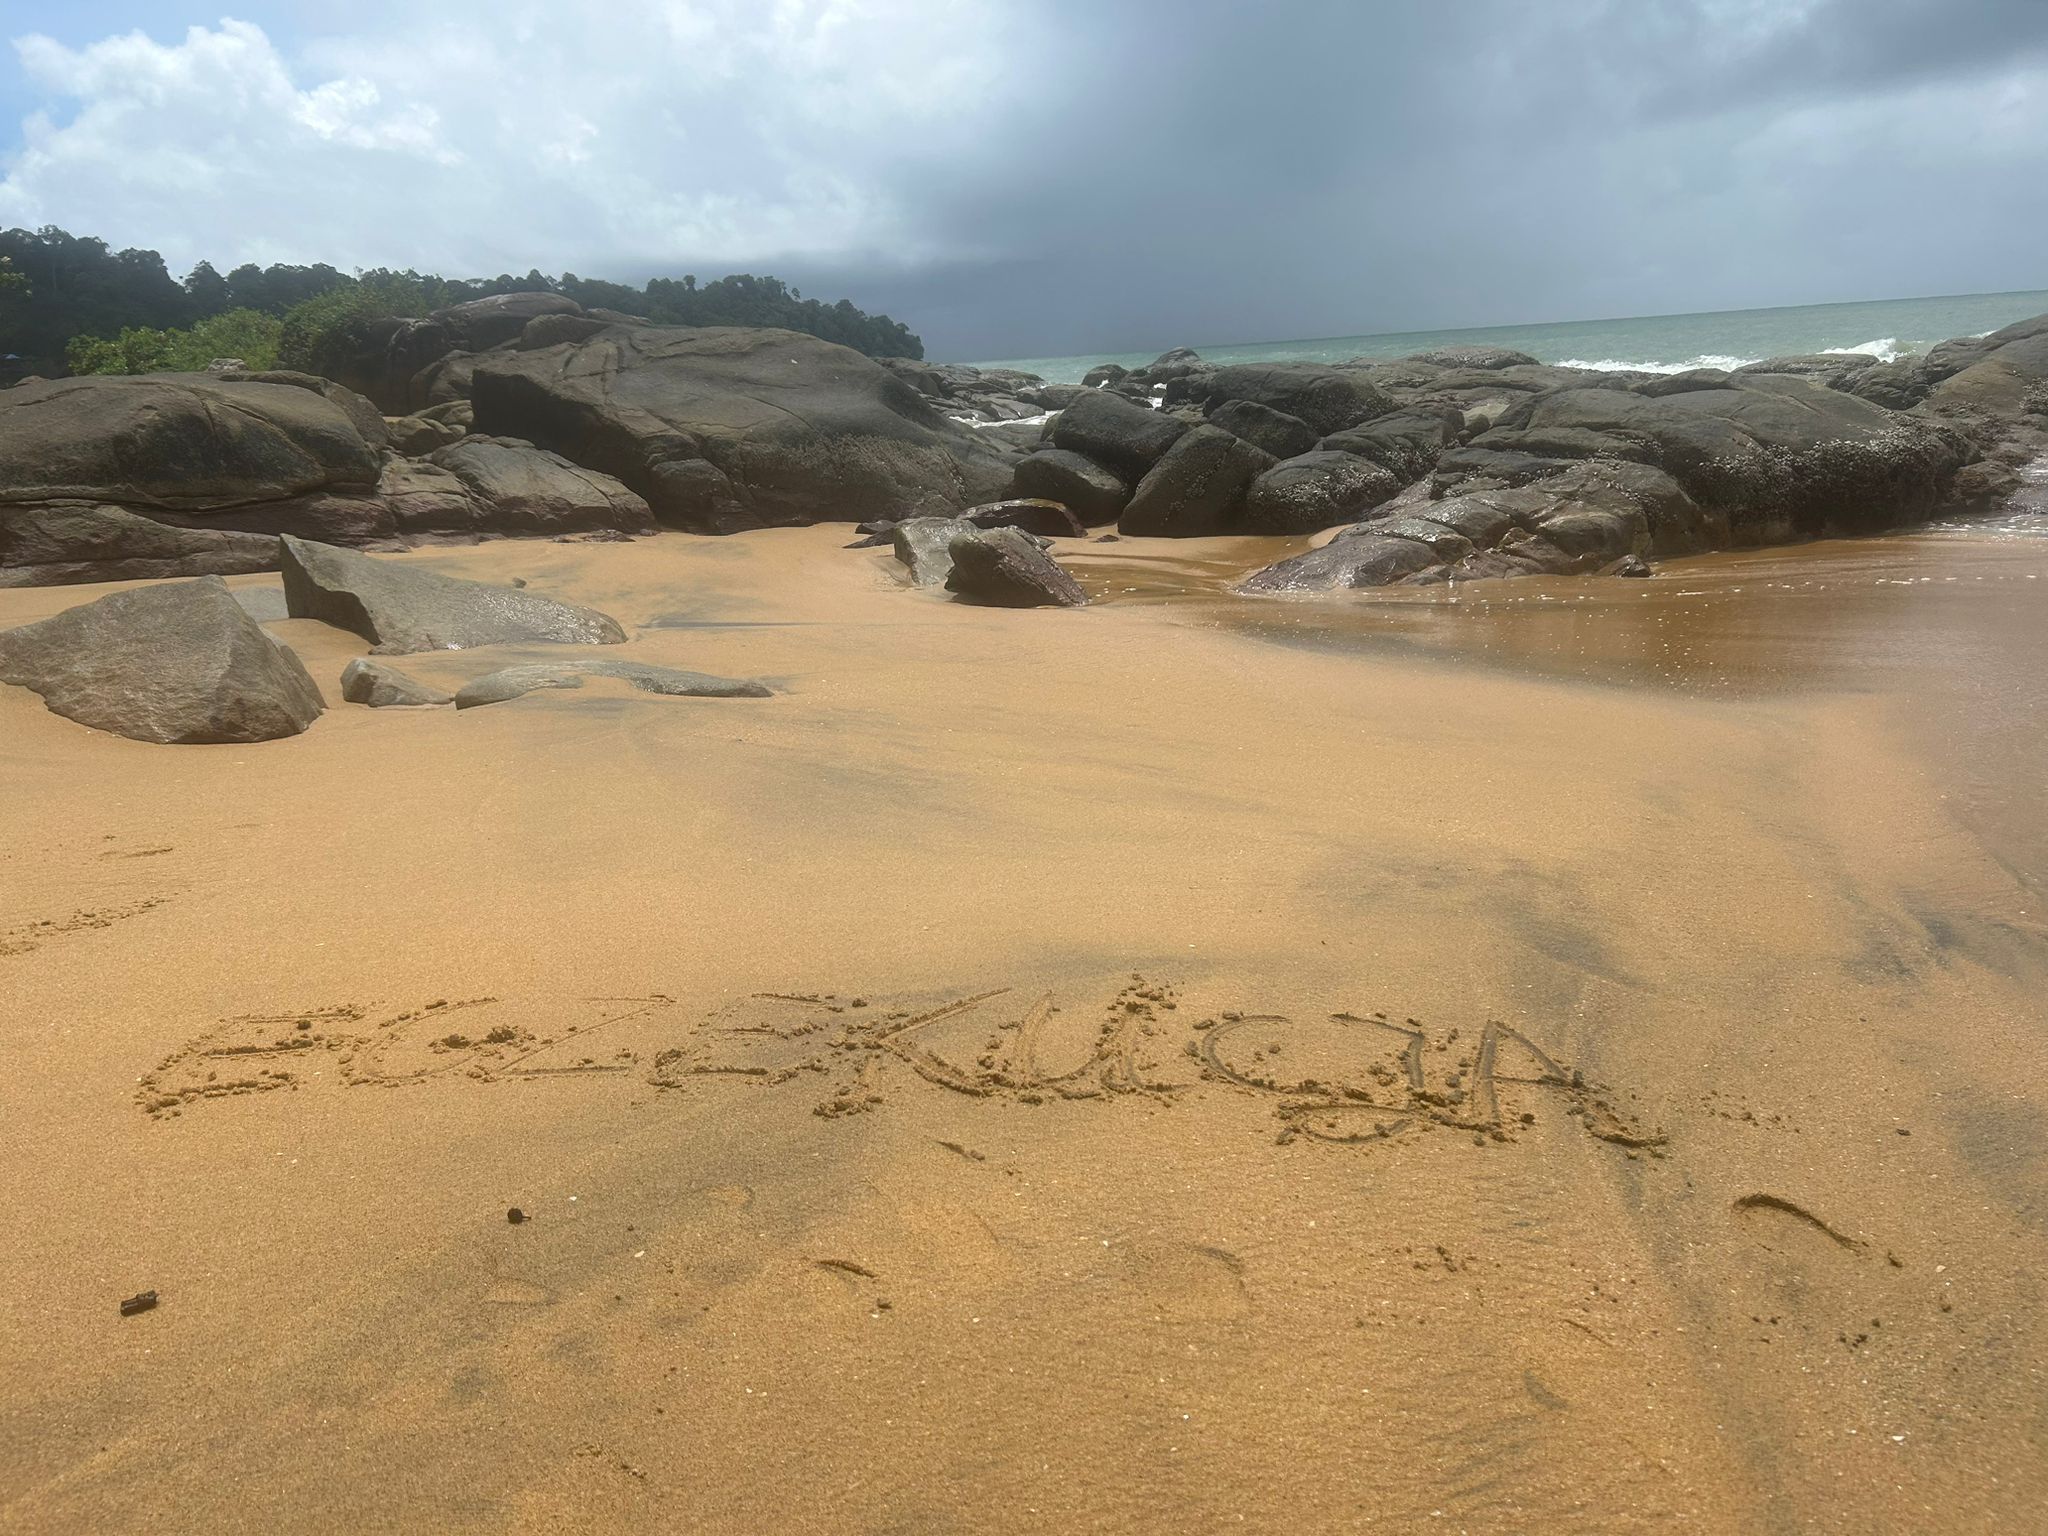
x=1885, y=349
x=1618, y=365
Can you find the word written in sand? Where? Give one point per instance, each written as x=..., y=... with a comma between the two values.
x=1337, y=1077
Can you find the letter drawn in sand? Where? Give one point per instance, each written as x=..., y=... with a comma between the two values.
x=1345, y=1078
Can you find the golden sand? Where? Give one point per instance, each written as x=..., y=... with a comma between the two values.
x=1485, y=1066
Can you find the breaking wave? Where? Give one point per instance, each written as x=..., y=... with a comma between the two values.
x=1885, y=349
x=1619, y=365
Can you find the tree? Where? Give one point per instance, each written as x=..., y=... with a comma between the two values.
x=84, y=293
x=247, y=334
x=207, y=290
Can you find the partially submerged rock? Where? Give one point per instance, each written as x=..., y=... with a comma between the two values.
x=385, y=687
x=512, y=682
x=180, y=662
x=924, y=545
x=1557, y=527
x=1007, y=568
x=400, y=608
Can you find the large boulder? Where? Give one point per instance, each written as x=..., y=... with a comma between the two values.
x=723, y=428
x=2001, y=381
x=89, y=465
x=1088, y=490
x=73, y=542
x=399, y=608
x=1116, y=433
x=1198, y=487
x=481, y=324
x=1405, y=443
x=1278, y=433
x=175, y=663
x=1007, y=568
x=368, y=420
x=1328, y=399
x=524, y=489
x=1313, y=491
x=403, y=364
x=512, y=682
x=1777, y=455
x=179, y=442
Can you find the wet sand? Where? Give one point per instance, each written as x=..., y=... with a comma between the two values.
x=1566, y=1056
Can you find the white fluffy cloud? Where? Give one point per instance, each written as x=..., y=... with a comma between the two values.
x=474, y=137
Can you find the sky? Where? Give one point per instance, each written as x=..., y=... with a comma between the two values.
x=1054, y=177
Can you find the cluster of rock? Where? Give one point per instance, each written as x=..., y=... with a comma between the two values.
x=187, y=662
x=114, y=479
x=1474, y=462
x=525, y=414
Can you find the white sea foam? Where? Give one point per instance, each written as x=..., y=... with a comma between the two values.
x=1617, y=365
x=1015, y=421
x=1885, y=349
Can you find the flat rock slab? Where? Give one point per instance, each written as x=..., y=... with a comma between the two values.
x=55, y=545
x=181, y=662
x=385, y=687
x=400, y=609
x=512, y=682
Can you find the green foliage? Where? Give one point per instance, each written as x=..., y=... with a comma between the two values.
x=75, y=300
x=245, y=333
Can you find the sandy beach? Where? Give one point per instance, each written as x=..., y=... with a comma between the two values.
x=1565, y=1058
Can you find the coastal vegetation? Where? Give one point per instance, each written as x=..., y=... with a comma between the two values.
x=80, y=306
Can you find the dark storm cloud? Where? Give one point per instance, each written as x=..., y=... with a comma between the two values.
x=1218, y=174
x=1075, y=175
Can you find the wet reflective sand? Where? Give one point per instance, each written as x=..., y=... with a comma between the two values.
x=1948, y=625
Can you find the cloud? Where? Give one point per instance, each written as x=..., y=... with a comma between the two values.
x=1068, y=175
x=657, y=131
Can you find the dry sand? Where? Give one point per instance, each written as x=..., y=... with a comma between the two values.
x=1539, y=1063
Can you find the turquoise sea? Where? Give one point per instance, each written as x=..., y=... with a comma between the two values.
x=1885, y=328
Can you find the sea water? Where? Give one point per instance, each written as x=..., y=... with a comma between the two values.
x=1883, y=328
